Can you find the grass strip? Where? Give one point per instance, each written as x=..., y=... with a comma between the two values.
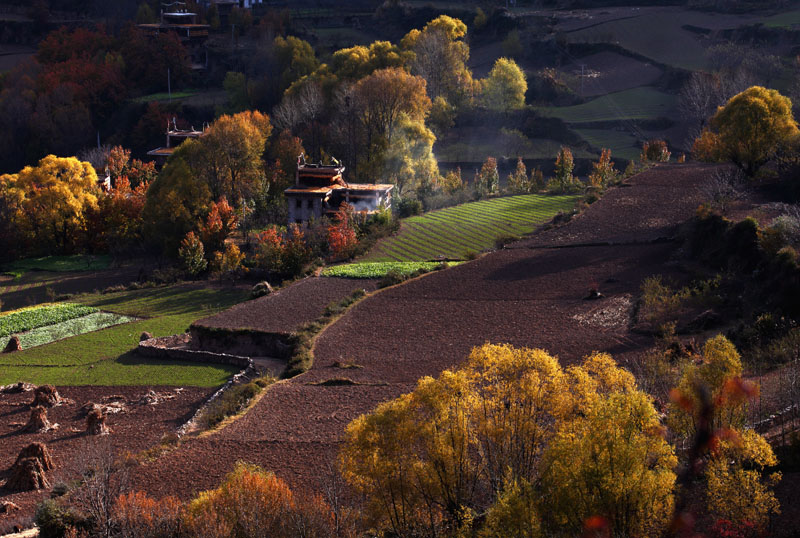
x=378, y=269
x=76, y=262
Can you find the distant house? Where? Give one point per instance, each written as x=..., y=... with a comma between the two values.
x=176, y=17
x=320, y=190
x=175, y=138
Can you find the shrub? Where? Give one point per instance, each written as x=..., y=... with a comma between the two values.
x=192, y=254
x=655, y=151
x=723, y=188
x=230, y=403
x=407, y=207
x=139, y=516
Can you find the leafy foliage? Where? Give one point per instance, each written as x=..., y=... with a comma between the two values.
x=504, y=89
x=192, y=254
x=40, y=316
x=499, y=434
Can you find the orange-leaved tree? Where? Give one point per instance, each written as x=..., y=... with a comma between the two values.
x=341, y=233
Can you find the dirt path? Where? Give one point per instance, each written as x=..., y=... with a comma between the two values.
x=527, y=295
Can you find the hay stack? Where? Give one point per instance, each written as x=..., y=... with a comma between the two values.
x=28, y=472
x=40, y=452
x=145, y=336
x=13, y=345
x=38, y=422
x=46, y=396
x=7, y=507
x=96, y=422
x=26, y=475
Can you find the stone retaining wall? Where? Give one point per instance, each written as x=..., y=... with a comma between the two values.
x=250, y=342
x=156, y=348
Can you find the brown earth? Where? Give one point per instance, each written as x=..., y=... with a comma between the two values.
x=285, y=310
x=527, y=295
x=136, y=428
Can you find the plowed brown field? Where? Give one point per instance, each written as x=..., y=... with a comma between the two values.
x=527, y=295
x=137, y=427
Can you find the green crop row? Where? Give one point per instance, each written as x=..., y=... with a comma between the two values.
x=41, y=316
x=66, y=329
x=456, y=232
x=377, y=269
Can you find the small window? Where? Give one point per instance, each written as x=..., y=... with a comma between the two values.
x=298, y=203
x=298, y=221
x=310, y=204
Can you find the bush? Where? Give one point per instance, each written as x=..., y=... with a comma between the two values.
x=54, y=520
x=407, y=207
x=192, y=254
x=655, y=151
x=230, y=403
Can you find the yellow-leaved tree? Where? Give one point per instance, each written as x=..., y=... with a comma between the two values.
x=50, y=201
x=710, y=404
x=515, y=437
x=749, y=129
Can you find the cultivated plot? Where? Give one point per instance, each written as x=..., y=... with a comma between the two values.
x=456, y=232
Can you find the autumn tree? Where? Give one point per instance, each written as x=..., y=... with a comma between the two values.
x=518, y=180
x=751, y=126
x=116, y=225
x=140, y=516
x=487, y=179
x=603, y=172
x=52, y=200
x=563, y=180
x=357, y=62
x=229, y=156
x=514, y=436
x=294, y=58
x=251, y=503
x=440, y=55
x=191, y=253
x=504, y=89
x=452, y=181
x=709, y=406
x=384, y=98
x=341, y=232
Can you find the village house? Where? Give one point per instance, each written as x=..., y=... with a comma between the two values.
x=176, y=17
x=320, y=190
x=175, y=138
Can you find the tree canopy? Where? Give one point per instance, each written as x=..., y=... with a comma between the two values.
x=749, y=129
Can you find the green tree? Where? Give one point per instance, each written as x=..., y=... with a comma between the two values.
x=176, y=201
x=504, y=89
x=487, y=179
x=752, y=125
x=235, y=85
x=512, y=45
x=295, y=59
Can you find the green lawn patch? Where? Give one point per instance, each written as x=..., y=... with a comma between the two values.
x=106, y=357
x=637, y=104
x=165, y=96
x=76, y=262
x=621, y=143
x=456, y=232
x=378, y=269
x=783, y=20
x=40, y=316
x=67, y=329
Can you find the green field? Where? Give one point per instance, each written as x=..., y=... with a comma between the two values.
x=493, y=144
x=106, y=357
x=455, y=232
x=379, y=269
x=659, y=36
x=67, y=329
x=165, y=96
x=783, y=20
x=621, y=143
x=637, y=104
x=76, y=262
x=34, y=317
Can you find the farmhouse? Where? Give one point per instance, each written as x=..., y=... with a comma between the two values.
x=176, y=17
x=175, y=137
x=320, y=190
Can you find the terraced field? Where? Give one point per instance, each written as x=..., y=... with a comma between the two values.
x=637, y=104
x=621, y=143
x=455, y=232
